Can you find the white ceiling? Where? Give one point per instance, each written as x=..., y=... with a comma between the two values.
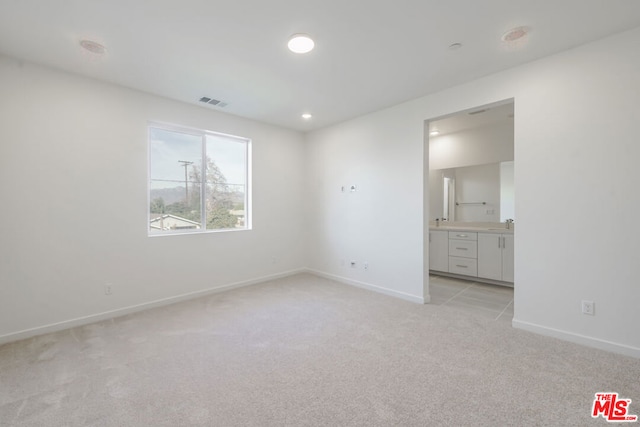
x=370, y=54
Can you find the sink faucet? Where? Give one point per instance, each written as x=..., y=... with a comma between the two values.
x=508, y=223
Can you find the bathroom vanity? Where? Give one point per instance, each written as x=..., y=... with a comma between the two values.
x=479, y=252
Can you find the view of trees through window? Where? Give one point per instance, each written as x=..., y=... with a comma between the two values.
x=198, y=181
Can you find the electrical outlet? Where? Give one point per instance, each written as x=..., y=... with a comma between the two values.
x=107, y=289
x=588, y=307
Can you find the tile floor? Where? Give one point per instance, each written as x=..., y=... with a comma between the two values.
x=489, y=301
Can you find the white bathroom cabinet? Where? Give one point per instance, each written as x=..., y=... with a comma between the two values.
x=463, y=253
x=439, y=250
x=495, y=256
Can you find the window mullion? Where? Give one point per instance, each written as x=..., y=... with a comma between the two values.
x=203, y=185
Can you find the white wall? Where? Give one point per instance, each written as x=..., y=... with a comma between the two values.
x=73, y=177
x=380, y=223
x=488, y=144
x=507, y=191
x=576, y=150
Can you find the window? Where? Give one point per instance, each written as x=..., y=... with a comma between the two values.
x=198, y=181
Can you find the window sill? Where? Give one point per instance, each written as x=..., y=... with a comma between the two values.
x=191, y=233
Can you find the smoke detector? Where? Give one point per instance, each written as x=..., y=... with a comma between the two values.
x=93, y=47
x=515, y=34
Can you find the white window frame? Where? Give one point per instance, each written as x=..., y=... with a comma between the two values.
x=203, y=222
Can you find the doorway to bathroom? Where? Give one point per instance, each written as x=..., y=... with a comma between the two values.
x=471, y=197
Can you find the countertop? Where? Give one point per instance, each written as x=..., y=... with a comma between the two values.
x=494, y=228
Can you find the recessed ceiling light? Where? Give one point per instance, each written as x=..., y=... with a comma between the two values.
x=300, y=43
x=434, y=133
x=306, y=116
x=515, y=34
x=93, y=47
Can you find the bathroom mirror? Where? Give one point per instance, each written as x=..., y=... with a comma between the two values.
x=471, y=165
x=478, y=193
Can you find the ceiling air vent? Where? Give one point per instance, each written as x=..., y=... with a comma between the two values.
x=212, y=101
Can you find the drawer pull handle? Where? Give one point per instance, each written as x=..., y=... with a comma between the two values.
x=461, y=266
x=462, y=249
x=461, y=235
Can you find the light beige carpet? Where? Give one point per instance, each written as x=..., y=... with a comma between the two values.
x=305, y=351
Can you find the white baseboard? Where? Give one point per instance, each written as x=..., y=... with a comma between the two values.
x=80, y=321
x=379, y=289
x=578, y=339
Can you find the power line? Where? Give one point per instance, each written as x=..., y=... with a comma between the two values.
x=186, y=164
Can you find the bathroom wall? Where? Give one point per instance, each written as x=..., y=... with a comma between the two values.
x=476, y=184
x=488, y=144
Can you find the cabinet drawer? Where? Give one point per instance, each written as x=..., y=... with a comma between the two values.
x=463, y=235
x=466, y=266
x=463, y=248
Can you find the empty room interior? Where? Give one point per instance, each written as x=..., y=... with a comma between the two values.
x=335, y=213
